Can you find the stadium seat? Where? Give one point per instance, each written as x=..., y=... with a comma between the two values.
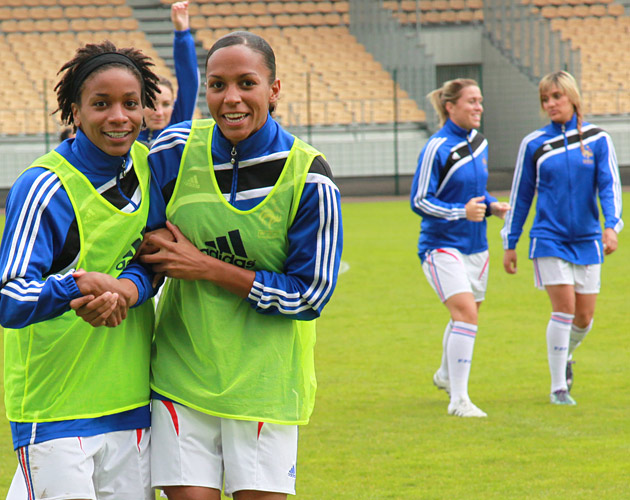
x=208, y=9
x=305, y=34
x=615, y=10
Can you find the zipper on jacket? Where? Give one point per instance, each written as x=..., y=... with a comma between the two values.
x=472, y=159
x=234, y=163
x=120, y=175
x=473, y=239
x=568, y=162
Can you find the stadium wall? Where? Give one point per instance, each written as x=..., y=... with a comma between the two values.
x=511, y=109
x=453, y=45
x=363, y=158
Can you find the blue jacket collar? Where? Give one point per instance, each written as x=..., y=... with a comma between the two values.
x=571, y=124
x=248, y=148
x=454, y=129
x=89, y=159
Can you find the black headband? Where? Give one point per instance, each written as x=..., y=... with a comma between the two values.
x=94, y=62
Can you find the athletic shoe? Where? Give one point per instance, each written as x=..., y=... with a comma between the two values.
x=465, y=408
x=441, y=383
x=569, y=373
x=561, y=397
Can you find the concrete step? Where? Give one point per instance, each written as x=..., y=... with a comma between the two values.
x=143, y=3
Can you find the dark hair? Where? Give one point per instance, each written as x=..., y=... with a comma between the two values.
x=66, y=133
x=68, y=92
x=254, y=42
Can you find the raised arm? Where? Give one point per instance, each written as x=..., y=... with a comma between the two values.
x=186, y=65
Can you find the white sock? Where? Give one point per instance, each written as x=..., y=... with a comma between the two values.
x=459, y=351
x=558, y=332
x=443, y=370
x=577, y=336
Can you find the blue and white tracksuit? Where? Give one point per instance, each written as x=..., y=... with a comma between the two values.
x=187, y=75
x=315, y=237
x=568, y=181
x=40, y=248
x=452, y=169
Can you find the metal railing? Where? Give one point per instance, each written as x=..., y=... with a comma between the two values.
x=528, y=39
x=397, y=49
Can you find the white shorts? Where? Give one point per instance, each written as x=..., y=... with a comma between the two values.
x=110, y=466
x=556, y=271
x=451, y=272
x=192, y=448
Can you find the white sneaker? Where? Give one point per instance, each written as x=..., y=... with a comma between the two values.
x=465, y=408
x=441, y=383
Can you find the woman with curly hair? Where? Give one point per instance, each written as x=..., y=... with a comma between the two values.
x=77, y=385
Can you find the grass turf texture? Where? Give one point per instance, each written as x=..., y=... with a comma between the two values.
x=380, y=429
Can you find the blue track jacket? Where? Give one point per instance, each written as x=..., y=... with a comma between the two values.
x=40, y=248
x=245, y=178
x=567, y=180
x=452, y=169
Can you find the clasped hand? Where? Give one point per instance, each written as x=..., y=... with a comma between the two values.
x=105, y=299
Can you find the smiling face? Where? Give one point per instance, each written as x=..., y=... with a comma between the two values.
x=110, y=110
x=239, y=91
x=467, y=110
x=160, y=117
x=556, y=104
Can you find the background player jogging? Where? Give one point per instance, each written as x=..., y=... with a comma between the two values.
x=449, y=193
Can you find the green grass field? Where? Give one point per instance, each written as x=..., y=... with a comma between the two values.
x=380, y=429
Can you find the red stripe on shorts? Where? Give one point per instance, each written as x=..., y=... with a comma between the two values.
x=138, y=437
x=260, y=424
x=171, y=410
x=441, y=250
x=27, y=475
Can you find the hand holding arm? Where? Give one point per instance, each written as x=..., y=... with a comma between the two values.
x=509, y=261
x=475, y=210
x=609, y=239
x=179, y=16
x=182, y=260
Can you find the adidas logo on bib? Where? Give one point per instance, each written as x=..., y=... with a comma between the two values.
x=229, y=249
x=192, y=182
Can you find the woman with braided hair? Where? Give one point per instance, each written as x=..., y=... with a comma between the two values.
x=569, y=163
x=77, y=392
